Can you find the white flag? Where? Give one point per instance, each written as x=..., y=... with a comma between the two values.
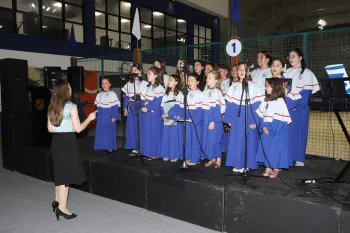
x=136, y=29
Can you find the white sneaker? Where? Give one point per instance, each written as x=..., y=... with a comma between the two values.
x=299, y=164
x=134, y=151
x=239, y=170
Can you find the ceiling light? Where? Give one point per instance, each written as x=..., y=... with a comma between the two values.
x=147, y=26
x=54, y=10
x=44, y=26
x=47, y=9
x=124, y=20
x=58, y=4
x=31, y=5
x=128, y=4
x=181, y=21
x=0, y=26
x=43, y=7
x=322, y=23
x=157, y=13
x=97, y=13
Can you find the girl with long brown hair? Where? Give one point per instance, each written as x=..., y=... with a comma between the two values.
x=274, y=119
x=151, y=125
x=172, y=132
x=160, y=63
x=63, y=122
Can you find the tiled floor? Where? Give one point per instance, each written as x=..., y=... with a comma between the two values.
x=25, y=206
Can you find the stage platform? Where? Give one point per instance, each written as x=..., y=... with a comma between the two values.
x=210, y=198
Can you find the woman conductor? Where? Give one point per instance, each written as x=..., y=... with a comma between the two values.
x=63, y=122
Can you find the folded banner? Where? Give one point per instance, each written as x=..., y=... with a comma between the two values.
x=338, y=71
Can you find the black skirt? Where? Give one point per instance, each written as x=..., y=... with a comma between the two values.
x=67, y=164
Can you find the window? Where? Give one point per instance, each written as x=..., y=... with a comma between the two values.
x=202, y=35
x=6, y=17
x=159, y=30
x=50, y=18
x=113, y=23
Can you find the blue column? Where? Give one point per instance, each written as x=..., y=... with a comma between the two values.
x=89, y=22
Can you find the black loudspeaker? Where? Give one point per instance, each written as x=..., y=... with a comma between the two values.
x=51, y=75
x=76, y=76
x=40, y=103
x=16, y=112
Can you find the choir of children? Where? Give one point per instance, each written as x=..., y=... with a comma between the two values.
x=277, y=115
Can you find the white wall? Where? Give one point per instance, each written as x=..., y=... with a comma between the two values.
x=218, y=7
x=38, y=60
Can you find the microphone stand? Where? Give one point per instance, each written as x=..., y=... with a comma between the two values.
x=137, y=100
x=245, y=90
x=185, y=93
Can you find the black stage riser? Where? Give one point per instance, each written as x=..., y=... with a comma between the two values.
x=119, y=184
x=224, y=208
x=247, y=211
x=194, y=202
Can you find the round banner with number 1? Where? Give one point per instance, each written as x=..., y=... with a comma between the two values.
x=233, y=47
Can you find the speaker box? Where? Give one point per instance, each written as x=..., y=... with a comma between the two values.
x=16, y=113
x=51, y=75
x=76, y=78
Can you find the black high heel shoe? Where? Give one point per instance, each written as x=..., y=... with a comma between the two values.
x=54, y=206
x=66, y=216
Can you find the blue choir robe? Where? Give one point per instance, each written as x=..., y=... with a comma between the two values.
x=172, y=139
x=259, y=77
x=236, y=145
x=194, y=128
x=274, y=116
x=151, y=122
x=106, y=131
x=213, y=107
x=130, y=105
x=303, y=86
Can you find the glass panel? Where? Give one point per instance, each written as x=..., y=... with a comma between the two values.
x=33, y=7
x=202, y=31
x=28, y=24
x=113, y=7
x=74, y=13
x=146, y=15
x=171, y=22
x=201, y=41
x=78, y=31
x=125, y=9
x=100, y=5
x=52, y=28
x=52, y=9
x=158, y=43
x=182, y=25
x=100, y=36
x=195, y=40
x=113, y=22
x=146, y=43
x=6, y=21
x=182, y=38
x=8, y=4
x=158, y=33
x=76, y=2
x=171, y=36
x=196, y=30
x=146, y=30
x=125, y=25
x=125, y=41
x=208, y=41
x=208, y=33
x=195, y=54
x=158, y=18
x=113, y=39
x=100, y=19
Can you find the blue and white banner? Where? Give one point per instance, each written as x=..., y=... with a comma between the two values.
x=338, y=71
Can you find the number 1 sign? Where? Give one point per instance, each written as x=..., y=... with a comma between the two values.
x=233, y=47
